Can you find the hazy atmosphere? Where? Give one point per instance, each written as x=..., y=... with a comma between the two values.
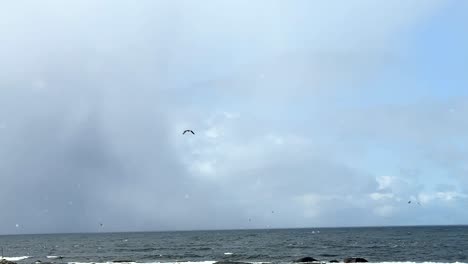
x=305, y=113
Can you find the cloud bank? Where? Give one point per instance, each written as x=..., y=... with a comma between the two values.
x=94, y=97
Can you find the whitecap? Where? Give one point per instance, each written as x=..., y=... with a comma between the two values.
x=411, y=262
x=14, y=258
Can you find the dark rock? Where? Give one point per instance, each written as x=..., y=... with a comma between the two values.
x=334, y=261
x=306, y=259
x=122, y=260
x=230, y=262
x=354, y=260
x=4, y=261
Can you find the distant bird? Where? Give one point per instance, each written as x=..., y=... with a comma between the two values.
x=188, y=131
x=416, y=202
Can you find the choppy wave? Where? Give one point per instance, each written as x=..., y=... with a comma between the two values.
x=212, y=262
x=182, y=262
x=54, y=257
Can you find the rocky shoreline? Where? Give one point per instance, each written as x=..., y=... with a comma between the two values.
x=310, y=260
x=4, y=261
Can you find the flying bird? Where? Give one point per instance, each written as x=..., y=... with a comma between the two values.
x=416, y=202
x=188, y=131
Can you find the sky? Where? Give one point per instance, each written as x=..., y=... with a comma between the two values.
x=305, y=113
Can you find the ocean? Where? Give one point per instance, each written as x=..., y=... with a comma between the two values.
x=436, y=244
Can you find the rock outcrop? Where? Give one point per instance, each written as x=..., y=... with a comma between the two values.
x=306, y=259
x=230, y=262
x=4, y=261
x=354, y=260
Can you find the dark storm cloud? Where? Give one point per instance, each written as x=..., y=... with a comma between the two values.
x=84, y=124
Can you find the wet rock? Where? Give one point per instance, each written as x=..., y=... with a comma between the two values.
x=306, y=259
x=230, y=262
x=354, y=260
x=334, y=261
x=4, y=261
x=122, y=261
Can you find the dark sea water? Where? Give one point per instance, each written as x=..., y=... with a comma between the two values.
x=443, y=244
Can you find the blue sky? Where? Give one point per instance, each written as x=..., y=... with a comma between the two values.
x=433, y=61
x=330, y=113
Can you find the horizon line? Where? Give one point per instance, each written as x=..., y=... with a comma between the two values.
x=237, y=229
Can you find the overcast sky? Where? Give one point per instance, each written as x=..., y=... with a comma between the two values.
x=306, y=114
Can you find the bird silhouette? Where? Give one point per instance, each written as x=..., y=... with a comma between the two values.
x=188, y=131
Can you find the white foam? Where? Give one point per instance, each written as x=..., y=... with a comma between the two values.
x=411, y=262
x=14, y=258
x=228, y=253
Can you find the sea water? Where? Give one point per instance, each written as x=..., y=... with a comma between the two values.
x=435, y=244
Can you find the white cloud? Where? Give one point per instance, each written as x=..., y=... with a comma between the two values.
x=204, y=168
x=229, y=115
x=385, y=210
x=449, y=196
x=398, y=186
x=311, y=204
x=381, y=196
x=315, y=205
x=212, y=132
x=385, y=182
x=254, y=60
x=275, y=139
x=427, y=198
